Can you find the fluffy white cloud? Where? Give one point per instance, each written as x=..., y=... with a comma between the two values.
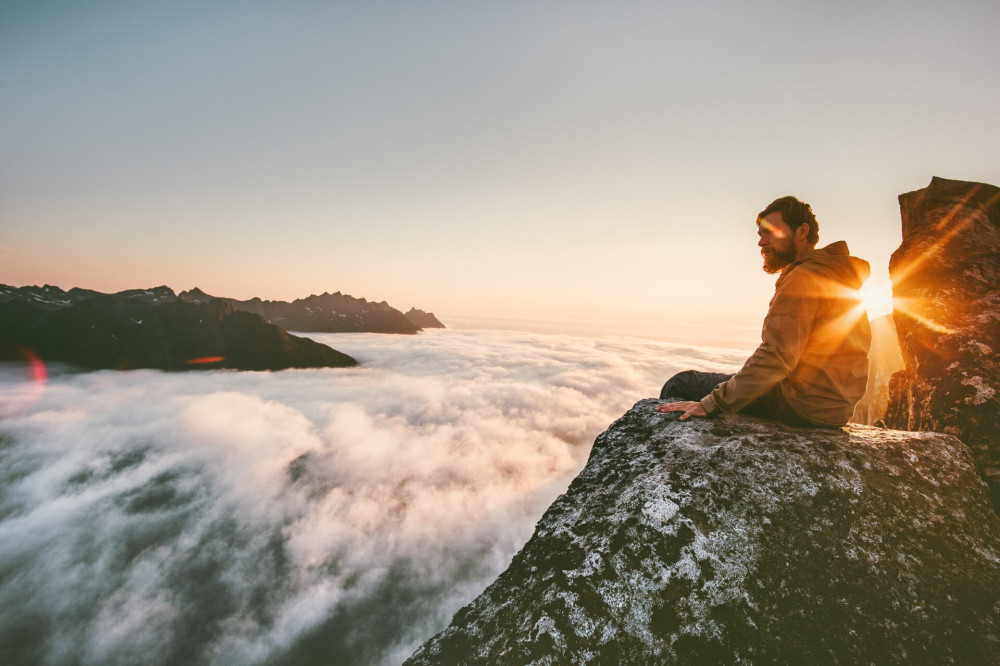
x=341, y=515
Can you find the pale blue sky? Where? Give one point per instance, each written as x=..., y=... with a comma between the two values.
x=595, y=160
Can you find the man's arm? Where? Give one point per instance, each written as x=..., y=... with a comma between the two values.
x=786, y=331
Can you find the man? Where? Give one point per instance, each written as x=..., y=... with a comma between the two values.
x=811, y=367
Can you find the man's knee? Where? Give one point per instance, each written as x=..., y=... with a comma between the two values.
x=680, y=386
x=692, y=384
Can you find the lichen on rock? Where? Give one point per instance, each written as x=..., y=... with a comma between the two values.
x=739, y=540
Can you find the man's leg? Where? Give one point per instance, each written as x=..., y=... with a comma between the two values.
x=692, y=385
x=773, y=406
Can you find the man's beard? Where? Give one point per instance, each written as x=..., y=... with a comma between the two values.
x=775, y=260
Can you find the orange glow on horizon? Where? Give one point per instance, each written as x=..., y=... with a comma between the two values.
x=206, y=359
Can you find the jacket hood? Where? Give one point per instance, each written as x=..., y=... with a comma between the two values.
x=836, y=261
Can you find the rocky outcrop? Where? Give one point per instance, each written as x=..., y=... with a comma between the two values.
x=946, y=286
x=738, y=540
x=422, y=319
x=123, y=333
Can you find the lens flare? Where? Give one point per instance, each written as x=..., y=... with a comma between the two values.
x=24, y=385
x=904, y=271
x=914, y=308
x=202, y=360
x=949, y=226
x=770, y=228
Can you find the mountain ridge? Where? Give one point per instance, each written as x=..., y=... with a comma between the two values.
x=123, y=333
x=323, y=313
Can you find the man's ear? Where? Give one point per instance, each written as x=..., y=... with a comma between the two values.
x=802, y=232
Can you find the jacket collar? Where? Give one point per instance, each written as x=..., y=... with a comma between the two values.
x=809, y=253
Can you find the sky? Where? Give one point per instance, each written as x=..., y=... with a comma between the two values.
x=600, y=162
x=298, y=517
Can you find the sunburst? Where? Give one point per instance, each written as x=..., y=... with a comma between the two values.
x=948, y=227
x=876, y=296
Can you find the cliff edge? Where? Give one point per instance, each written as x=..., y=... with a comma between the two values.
x=739, y=540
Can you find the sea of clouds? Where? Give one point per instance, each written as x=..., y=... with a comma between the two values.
x=307, y=516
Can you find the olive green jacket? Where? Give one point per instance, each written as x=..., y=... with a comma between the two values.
x=814, y=343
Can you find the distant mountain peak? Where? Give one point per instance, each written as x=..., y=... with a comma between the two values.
x=195, y=295
x=423, y=319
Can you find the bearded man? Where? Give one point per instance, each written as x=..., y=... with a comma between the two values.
x=811, y=367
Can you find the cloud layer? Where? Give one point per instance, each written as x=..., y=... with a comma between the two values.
x=335, y=515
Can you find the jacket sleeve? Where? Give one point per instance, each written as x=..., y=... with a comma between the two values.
x=786, y=331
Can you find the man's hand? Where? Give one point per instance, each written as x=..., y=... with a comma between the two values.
x=689, y=409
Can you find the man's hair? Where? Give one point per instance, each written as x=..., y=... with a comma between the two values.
x=794, y=213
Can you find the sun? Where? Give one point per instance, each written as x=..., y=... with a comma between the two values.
x=877, y=297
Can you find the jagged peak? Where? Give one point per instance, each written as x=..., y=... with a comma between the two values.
x=195, y=294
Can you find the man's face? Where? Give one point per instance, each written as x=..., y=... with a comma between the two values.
x=775, y=241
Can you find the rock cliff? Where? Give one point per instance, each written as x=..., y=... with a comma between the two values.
x=946, y=287
x=737, y=540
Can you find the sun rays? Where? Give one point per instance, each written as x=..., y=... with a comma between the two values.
x=915, y=309
x=876, y=296
x=956, y=220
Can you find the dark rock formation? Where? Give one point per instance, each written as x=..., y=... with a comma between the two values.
x=422, y=319
x=737, y=540
x=946, y=285
x=327, y=313
x=124, y=332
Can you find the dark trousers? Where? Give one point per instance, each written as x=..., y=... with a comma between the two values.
x=694, y=385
